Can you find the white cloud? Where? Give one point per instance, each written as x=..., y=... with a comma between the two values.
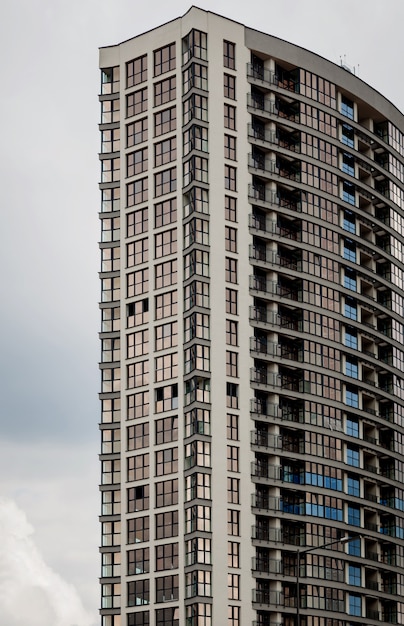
x=30, y=591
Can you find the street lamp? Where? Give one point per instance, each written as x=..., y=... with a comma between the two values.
x=298, y=555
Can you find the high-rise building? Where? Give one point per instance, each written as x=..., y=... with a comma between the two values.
x=252, y=334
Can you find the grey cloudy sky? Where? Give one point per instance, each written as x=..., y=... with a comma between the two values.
x=49, y=317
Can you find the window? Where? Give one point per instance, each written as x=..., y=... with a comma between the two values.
x=354, y=515
x=232, y=427
x=166, y=556
x=353, y=486
x=137, y=343
x=138, y=436
x=350, y=279
x=138, y=498
x=111, y=379
x=110, y=350
x=197, y=357
x=233, y=522
x=110, y=262
x=350, y=250
x=231, y=364
x=165, y=243
x=229, y=55
x=165, y=91
x=230, y=209
x=195, y=75
x=348, y=193
x=195, y=138
x=167, y=588
x=166, y=336
x=354, y=547
x=196, y=325
x=195, y=108
x=166, y=274
x=166, y=367
x=354, y=575
x=196, y=262
x=138, y=467
x=138, y=592
x=164, y=59
x=138, y=530
x=137, y=222
x=230, y=270
x=138, y=561
x=233, y=490
x=233, y=586
x=137, y=192
x=233, y=458
x=140, y=618
x=111, y=533
x=229, y=86
x=352, y=427
x=198, y=518
x=351, y=367
x=110, y=319
x=198, y=583
x=138, y=374
x=166, y=430
x=196, y=231
x=136, y=132
x=138, y=405
x=230, y=178
x=355, y=604
x=198, y=485
x=194, y=45
x=166, y=461
x=165, y=182
x=351, y=309
x=230, y=239
x=110, y=111
x=347, y=135
x=230, y=117
x=197, y=389
x=348, y=164
x=233, y=613
x=165, y=121
x=352, y=457
x=198, y=550
x=233, y=554
x=197, y=421
x=232, y=395
x=166, y=305
x=231, y=333
x=136, y=102
x=109, y=80
x=349, y=221
x=110, y=170
x=195, y=169
x=196, y=294
x=230, y=147
x=137, y=252
x=165, y=151
x=167, y=617
x=347, y=107
x=167, y=493
x=166, y=398
x=111, y=200
x=136, y=71
x=231, y=301
x=165, y=212
x=136, y=162
x=352, y=397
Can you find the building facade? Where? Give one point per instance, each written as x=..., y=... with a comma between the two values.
x=252, y=391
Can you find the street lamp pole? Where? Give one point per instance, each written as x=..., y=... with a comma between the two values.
x=298, y=555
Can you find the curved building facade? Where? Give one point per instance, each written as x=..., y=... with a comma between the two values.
x=252, y=334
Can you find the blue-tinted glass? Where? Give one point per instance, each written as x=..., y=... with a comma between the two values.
x=352, y=398
x=354, y=547
x=350, y=250
x=354, y=516
x=351, y=311
x=352, y=457
x=348, y=193
x=355, y=575
x=350, y=279
x=352, y=428
x=349, y=221
x=351, y=338
x=354, y=604
x=348, y=164
x=347, y=108
x=353, y=487
x=347, y=135
x=351, y=368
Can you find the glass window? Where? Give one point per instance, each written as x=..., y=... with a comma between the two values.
x=355, y=604
x=350, y=250
x=166, y=524
x=164, y=59
x=230, y=117
x=229, y=55
x=354, y=547
x=354, y=515
x=165, y=151
x=348, y=193
x=351, y=367
x=136, y=162
x=350, y=279
x=165, y=182
x=194, y=44
x=352, y=397
x=230, y=208
x=352, y=427
x=353, y=486
x=352, y=457
x=136, y=132
x=347, y=107
x=354, y=575
x=230, y=178
x=351, y=337
x=165, y=91
x=136, y=71
x=167, y=429
x=229, y=84
x=165, y=121
x=348, y=135
x=349, y=221
x=137, y=222
x=348, y=164
x=230, y=147
x=351, y=309
x=136, y=102
x=165, y=212
x=195, y=75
